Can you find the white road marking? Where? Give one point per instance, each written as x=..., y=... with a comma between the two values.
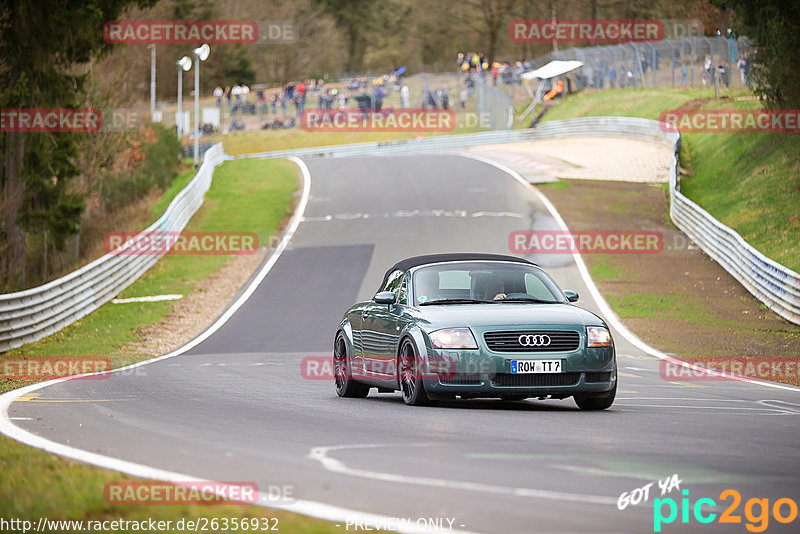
x=320, y=454
x=404, y=214
x=605, y=310
x=782, y=405
x=153, y=298
x=310, y=508
x=497, y=214
x=685, y=399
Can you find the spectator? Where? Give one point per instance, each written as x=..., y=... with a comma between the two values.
x=744, y=69
x=379, y=94
x=236, y=91
x=708, y=68
x=273, y=102
x=404, y=97
x=218, y=95
x=300, y=97
x=227, y=94
x=245, y=92
x=684, y=75
x=724, y=75
x=612, y=76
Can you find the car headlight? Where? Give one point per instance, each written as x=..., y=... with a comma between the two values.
x=598, y=336
x=453, y=338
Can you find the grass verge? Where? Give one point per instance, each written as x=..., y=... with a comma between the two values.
x=245, y=196
x=37, y=485
x=248, y=196
x=677, y=300
x=749, y=181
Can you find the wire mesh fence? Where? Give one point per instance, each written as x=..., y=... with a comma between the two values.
x=690, y=61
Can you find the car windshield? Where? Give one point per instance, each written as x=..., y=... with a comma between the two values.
x=484, y=281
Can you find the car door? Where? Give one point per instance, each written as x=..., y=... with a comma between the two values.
x=379, y=330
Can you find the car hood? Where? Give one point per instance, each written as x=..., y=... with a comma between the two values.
x=489, y=315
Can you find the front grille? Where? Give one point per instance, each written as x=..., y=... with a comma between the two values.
x=598, y=377
x=462, y=379
x=529, y=380
x=560, y=341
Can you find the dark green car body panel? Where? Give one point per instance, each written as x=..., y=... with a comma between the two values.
x=374, y=333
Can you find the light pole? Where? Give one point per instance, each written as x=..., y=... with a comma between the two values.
x=152, y=48
x=200, y=54
x=184, y=64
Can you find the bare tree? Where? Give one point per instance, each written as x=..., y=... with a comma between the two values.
x=489, y=18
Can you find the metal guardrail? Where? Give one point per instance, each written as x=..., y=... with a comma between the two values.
x=599, y=127
x=777, y=286
x=29, y=315
x=32, y=314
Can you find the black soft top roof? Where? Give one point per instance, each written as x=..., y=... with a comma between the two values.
x=408, y=263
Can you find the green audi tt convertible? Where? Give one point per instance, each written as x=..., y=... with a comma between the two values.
x=474, y=325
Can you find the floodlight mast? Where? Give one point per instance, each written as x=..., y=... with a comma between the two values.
x=200, y=54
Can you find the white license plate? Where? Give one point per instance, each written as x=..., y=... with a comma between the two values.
x=521, y=367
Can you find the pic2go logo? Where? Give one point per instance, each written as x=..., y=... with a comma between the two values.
x=756, y=511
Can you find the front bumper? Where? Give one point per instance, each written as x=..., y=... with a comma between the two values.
x=483, y=373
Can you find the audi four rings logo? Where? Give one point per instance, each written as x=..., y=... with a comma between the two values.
x=534, y=340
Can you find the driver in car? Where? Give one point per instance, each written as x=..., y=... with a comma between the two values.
x=495, y=286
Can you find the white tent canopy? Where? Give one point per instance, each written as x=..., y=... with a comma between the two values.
x=553, y=69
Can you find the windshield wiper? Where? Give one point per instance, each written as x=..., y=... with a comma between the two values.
x=456, y=301
x=530, y=299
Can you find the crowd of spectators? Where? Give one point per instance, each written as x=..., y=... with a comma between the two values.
x=284, y=106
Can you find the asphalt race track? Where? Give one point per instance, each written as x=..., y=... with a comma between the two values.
x=236, y=408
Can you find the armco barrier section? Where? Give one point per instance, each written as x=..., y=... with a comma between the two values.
x=775, y=285
x=32, y=314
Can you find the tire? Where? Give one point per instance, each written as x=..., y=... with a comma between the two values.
x=411, y=384
x=598, y=402
x=342, y=373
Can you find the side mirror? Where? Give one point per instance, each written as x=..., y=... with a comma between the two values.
x=572, y=296
x=385, y=297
